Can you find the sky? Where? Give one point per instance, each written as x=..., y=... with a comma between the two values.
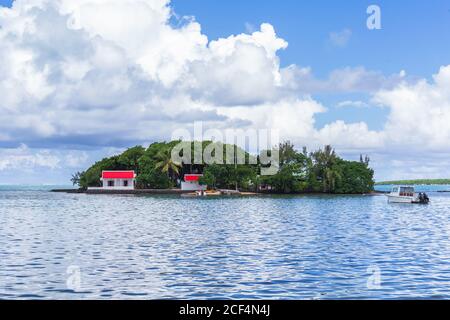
x=83, y=80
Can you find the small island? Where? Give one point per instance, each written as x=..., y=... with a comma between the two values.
x=321, y=171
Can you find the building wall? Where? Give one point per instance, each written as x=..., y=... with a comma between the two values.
x=118, y=184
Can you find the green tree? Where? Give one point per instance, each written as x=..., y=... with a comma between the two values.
x=331, y=178
x=357, y=178
x=298, y=172
x=325, y=168
x=91, y=177
x=149, y=176
x=76, y=178
x=165, y=163
x=129, y=160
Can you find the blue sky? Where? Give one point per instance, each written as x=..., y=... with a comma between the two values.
x=407, y=56
x=413, y=37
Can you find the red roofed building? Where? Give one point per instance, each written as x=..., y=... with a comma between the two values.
x=191, y=183
x=118, y=180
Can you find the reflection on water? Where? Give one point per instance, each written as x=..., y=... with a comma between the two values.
x=64, y=246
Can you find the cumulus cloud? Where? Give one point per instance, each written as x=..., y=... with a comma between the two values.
x=292, y=118
x=241, y=69
x=74, y=75
x=419, y=113
x=109, y=70
x=112, y=73
x=23, y=158
x=350, y=136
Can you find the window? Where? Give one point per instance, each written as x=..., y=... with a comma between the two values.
x=111, y=183
x=125, y=183
x=407, y=192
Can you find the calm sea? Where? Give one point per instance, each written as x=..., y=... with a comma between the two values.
x=75, y=246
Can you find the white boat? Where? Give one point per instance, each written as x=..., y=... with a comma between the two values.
x=407, y=194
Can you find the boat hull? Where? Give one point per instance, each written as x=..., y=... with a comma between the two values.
x=398, y=199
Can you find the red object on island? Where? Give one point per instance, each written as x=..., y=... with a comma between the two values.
x=192, y=177
x=118, y=175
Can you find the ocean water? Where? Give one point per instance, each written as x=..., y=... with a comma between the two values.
x=76, y=246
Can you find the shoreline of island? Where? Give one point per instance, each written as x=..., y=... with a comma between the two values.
x=183, y=192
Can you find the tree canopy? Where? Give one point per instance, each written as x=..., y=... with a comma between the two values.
x=321, y=171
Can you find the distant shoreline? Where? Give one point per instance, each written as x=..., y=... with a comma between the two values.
x=426, y=182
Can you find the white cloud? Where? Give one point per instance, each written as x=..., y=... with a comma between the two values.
x=340, y=38
x=72, y=71
x=73, y=74
x=419, y=115
x=350, y=136
x=25, y=159
x=109, y=73
x=241, y=69
x=76, y=159
x=293, y=118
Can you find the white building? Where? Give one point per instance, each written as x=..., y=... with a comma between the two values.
x=191, y=183
x=118, y=180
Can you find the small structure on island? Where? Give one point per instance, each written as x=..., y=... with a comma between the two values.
x=192, y=183
x=118, y=180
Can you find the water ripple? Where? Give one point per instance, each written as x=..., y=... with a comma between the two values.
x=251, y=248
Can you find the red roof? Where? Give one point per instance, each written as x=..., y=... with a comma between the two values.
x=118, y=175
x=192, y=177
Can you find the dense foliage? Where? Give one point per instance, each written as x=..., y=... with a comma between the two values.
x=321, y=171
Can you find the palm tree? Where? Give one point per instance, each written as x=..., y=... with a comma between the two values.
x=325, y=161
x=76, y=178
x=329, y=156
x=331, y=177
x=325, y=158
x=166, y=164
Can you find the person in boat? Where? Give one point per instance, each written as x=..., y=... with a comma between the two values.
x=423, y=198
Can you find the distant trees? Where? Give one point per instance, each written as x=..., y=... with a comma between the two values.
x=322, y=171
x=416, y=182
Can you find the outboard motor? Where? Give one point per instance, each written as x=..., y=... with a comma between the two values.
x=423, y=198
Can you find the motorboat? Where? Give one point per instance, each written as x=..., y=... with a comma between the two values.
x=202, y=194
x=407, y=194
